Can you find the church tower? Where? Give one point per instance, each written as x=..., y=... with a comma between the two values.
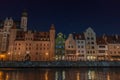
x=52, y=42
x=24, y=19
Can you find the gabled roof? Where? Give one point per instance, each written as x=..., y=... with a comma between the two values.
x=79, y=36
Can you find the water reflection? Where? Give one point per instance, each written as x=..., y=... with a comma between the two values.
x=60, y=74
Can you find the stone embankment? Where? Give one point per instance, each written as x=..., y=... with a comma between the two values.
x=59, y=64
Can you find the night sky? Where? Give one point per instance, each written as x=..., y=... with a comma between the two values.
x=68, y=16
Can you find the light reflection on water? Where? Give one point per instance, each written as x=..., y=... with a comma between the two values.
x=60, y=74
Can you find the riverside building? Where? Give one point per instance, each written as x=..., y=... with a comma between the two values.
x=19, y=44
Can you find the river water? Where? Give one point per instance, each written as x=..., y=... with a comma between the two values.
x=60, y=74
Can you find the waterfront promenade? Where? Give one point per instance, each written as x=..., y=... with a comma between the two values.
x=62, y=64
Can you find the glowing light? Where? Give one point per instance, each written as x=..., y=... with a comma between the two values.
x=78, y=76
x=2, y=56
x=46, y=54
x=46, y=75
x=9, y=53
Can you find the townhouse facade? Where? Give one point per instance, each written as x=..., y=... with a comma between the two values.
x=19, y=44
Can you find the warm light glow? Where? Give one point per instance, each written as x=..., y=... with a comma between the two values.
x=1, y=74
x=56, y=75
x=2, y=56
x=46, y=75
x=108, y=76
x=8, y=53
x=78, y=76
x=46, y=54
x=91, y=75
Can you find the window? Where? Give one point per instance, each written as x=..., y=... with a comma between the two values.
x=78, y=46
x=88, y=38
x=92, y=42
x=36, y=53
x=82, y=51
x=88, y=52
x=78, y=41
x=101, y=46
x=37, y=48
x=81, y=41
x=78, y=51
x=92, y=47
x=82, y=46
x=118, y=52
x=68, y=46
x=92, y=38
x=29, y=44
x=71, y=46
x=101, y=51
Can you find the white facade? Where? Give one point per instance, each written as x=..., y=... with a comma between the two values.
x=24, y=19
x=102, y=51
x=90, y=38
x=80, y=49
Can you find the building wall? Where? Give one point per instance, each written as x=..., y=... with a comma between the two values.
x=102, y=52
x=113, y=51
x=26, y=47
x=80, y=49
x=70, y=48
x=60, y=47
x=90, y=38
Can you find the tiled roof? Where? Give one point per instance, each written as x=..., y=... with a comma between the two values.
x=37, y=36
x=79, y=36
x=20, y=35
x=113, y=39
x=100, y=40
x=41, y=35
